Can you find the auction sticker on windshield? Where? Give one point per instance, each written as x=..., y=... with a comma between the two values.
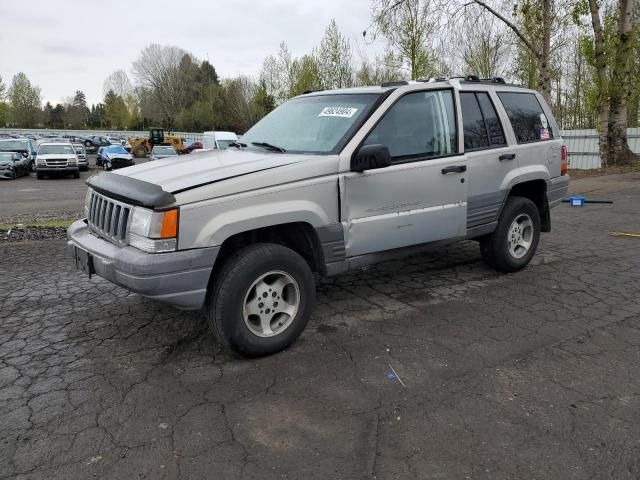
x=346, y=112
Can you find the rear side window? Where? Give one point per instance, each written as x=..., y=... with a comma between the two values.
x=482, y=128
x=529, y=122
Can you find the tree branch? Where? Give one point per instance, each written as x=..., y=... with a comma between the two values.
x=510, y=25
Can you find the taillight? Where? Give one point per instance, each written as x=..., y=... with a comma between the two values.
x=563, y=160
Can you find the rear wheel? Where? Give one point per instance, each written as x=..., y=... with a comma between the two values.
x=515, y=240
x=261, y=299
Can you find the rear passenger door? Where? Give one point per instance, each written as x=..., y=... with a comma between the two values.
x=489, y=160
x=536, y=133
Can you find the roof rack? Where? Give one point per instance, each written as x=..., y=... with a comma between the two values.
x=312, y=91
x=394, y=84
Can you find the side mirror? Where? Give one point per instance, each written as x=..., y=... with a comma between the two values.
x=370, y=157
x=25, y=154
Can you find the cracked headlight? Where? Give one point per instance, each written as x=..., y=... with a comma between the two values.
x=154, y=232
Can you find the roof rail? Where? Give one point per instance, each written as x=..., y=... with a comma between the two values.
x=395, y=83
x=312, y=91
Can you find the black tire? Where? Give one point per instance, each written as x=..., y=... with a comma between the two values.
x=32, y=166
x=76, y=175
x=88, y=144
x=140, y=151
x=14, y=175
x=229, y=288
x=106, y=166
x=39, y=175
x=495, y=247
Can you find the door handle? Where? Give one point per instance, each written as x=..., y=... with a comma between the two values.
x=507, y=156
x=454, y=169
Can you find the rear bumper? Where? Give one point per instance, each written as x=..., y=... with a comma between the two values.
x=178, y=278
x=557, y=189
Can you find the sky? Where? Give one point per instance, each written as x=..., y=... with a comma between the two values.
x=69, y=45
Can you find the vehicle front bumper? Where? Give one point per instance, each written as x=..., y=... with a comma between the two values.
x=68, y=169
x=557, y=189
x=6, y=172
x=178, y=278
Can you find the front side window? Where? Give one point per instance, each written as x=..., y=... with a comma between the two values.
x=318, y=124
x=529, y=122
x=419, y=125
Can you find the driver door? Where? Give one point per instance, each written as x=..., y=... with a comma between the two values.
x=422, y=196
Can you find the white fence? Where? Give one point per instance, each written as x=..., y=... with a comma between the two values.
x=583, y=147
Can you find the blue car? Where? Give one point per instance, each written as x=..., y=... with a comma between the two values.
x=114, y=156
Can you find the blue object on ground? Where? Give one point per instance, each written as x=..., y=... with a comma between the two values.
x=577, y=200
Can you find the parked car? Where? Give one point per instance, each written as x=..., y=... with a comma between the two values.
x=162, y=151
x=218, y=140
x=113, y=157
x=81, y=153
x=191, y=146
x=24, y=146
x=94, y=142
x=13, y=165
x=57, y=158
x=328, y=181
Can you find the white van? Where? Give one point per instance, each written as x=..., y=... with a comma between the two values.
x=218, y=140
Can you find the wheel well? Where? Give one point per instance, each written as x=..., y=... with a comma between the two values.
x=300, y=237
x=536, y=191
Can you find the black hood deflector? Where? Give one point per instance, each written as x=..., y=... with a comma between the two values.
x=131, y=190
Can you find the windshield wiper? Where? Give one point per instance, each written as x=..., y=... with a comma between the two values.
x=269, y=146
x=237, y=144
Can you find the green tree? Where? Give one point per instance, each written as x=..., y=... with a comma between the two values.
x=25, y=101
x=334, y=67
x=4, y=106
x=115, y=110
x=305, y=75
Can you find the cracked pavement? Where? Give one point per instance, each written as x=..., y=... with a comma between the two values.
x=532, y=375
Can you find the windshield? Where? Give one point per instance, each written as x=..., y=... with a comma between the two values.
x=164, y=151
x=222, y=144
x=14, y=145
x=54, y=149
x=314, y=124
x=115, y=149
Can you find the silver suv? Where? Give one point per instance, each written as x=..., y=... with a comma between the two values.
x=327, y=182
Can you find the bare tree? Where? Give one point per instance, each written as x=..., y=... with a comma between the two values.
x=408, y=28
x=157, y=68
x=482, y=46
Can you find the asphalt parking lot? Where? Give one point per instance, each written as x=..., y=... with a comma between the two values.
x=57, y=197
x=532, y=375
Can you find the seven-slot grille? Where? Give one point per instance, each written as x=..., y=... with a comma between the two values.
x=58, y=162
x=108, y=218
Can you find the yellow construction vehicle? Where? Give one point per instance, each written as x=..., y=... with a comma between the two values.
x=141, y=146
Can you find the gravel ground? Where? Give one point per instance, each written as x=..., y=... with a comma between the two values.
x=22, y=234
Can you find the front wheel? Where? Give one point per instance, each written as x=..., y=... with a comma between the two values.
x=140, y=152
x=515, y=240
x=32, y=166
x=261, y=299
x=106, y=166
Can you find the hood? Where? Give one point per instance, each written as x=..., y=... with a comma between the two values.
x=208, y=167
x=113, y=156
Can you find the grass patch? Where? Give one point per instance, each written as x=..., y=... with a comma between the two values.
x=46, y=223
